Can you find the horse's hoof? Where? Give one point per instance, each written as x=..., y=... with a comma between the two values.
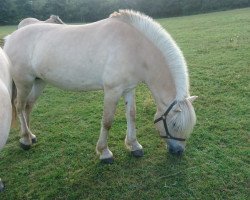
x=107, y=160
x=137, y=153
x=34, y=140
x=24, y=146
x=1, y=186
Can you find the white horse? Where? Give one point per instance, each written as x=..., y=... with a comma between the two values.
x=5, y=101
x=114, y=55
x=27, y=21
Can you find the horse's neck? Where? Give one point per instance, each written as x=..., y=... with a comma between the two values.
x=162, y=87
x=163, y=98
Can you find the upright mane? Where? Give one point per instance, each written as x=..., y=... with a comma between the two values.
x=55, y=19
x=162, y=39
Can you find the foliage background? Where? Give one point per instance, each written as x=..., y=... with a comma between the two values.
x=12, y=11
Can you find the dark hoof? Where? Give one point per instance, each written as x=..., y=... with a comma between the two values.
x=1, y=186
x=34, y=140
x=24, y=146
x=107, y=161
x=137, y=153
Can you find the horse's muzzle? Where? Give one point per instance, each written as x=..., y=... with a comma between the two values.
x=175, y=147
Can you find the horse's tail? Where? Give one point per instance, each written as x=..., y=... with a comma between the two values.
x=13, y=100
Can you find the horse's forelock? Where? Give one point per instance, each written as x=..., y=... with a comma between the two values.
x=182, y=123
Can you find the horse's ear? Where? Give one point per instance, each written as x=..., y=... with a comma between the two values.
x=192, y=98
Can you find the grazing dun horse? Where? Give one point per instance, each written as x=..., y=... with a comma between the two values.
x=27, y=21
x=114, y=55
x=5, y=101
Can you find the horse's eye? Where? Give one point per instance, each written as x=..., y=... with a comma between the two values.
x=174, y=124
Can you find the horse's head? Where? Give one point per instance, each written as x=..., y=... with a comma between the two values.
x=176, y=124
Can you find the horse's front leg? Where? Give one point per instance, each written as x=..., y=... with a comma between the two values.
x=110, y=102
x=131, y=141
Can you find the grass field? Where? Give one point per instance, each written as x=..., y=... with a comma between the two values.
x=63, y=164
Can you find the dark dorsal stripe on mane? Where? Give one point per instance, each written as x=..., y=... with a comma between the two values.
x=56, y=19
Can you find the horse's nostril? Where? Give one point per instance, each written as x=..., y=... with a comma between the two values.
x=179, y=152
x=176, y=150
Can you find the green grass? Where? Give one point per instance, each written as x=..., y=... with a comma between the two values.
x=63, y=164
x=5, y=30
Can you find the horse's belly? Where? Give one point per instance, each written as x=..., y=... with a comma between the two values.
x=85, y=85
x=77, y=79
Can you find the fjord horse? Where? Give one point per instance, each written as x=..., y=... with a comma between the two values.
x=114, y=55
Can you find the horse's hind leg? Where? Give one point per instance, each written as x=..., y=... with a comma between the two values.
x=36, y=91
x=111, y=98
x=23, y=90
x=131, y=141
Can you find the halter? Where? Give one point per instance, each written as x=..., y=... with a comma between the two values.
x=163, y=118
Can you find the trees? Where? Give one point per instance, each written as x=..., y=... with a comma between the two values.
x=7, y=12
x=12, y=11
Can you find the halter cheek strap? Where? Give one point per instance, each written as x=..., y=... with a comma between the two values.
x=163, y=118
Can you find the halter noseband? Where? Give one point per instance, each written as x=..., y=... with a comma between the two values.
x=163, y=118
